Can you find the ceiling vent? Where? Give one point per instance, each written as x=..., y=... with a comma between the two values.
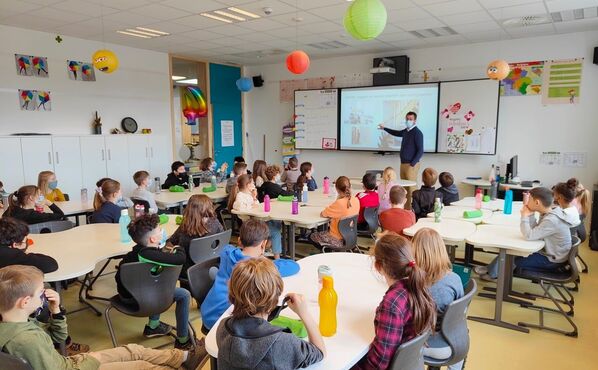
x=328, y=45
x=527, y=21
x=433, y=32
x=574, y=14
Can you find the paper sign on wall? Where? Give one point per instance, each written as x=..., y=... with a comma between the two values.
x=227, y=131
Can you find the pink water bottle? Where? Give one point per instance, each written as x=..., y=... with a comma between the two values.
x=295, y=206
x=478, y=199
x=326, y=185
x=266, y=203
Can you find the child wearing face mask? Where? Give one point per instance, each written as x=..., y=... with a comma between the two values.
x=107, y=210
x=22, y=204
x=306, y=177
x=177, y=176
x=271, y=186
x=150, y=240
x=143, y=181
x=48, y=185
x=13, y=247
x=208, y=169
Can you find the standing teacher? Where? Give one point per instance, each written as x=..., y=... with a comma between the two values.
x=412, y=149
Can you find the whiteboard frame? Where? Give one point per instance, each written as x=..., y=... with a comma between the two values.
x=338, y=112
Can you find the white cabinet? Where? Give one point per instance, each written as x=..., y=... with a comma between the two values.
x=160, y=156
x=37, y=157
x=138, y=151
x=11, y=163
x=67, y=164
x=93, y=162
x=117, y=162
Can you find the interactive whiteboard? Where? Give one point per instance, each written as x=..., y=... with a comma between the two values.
x=316, y=119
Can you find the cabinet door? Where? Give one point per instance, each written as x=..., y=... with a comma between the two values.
x=117, y=162
x=138, y=148
x=67, y=164
x=37, y=157
x=11, y=165
x=93, y=162
x=160, y=155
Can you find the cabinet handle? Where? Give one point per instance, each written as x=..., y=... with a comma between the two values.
x=57, y=158
x=146, y=152
x=109, y=156
x=103, y=158
x=152, y=151
x=49, y=157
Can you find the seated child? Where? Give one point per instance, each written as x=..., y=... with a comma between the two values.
x=23, y=294
x=424, y=198
x=47, y=184
x=270, y=186
x=177, y=176
x=389, y=179
x=253, y=240
x=207, y=169
x=13, y=247
x=247, y=340
x=367, y=198
x=407, y=309
x=22, y=204
x=240, y=159
x=306, y=177
x=240, y=168
x=345, y=205
x=582, y=203
x=123, y=202
x=445, y=286
x=259, y=172
x=199, y=219
x=150, y=238
x=291, y=173
x=107, y=211
x=564, y=195
x=447, y=188
x=397, y=218
x=553, y=228
x=143, y=181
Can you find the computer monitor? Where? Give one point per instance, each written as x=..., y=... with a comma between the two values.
x=512, y=170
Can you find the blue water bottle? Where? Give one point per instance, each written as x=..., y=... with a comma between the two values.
x=213, y=182
x=123, y=222
x=304, y=194
x=508, y=209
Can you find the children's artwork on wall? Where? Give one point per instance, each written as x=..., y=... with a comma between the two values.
x=562, y=81
x=80, y=71
x=27, y=99
x=524, y=79
x=23, y=64
x=87, y=72
x=40, y=66
x=73, y=69
x=43, y=100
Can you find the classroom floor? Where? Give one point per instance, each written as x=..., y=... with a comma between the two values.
x=492, y=348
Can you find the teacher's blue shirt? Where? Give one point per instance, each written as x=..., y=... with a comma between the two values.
x=412, y=146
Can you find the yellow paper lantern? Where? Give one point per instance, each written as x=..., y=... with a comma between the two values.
x=498, y=70
x=105, y=61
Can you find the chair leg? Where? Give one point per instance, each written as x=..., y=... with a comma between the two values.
x=193, y=334
x=110, y=328
x=585, y=265
x=213, y=363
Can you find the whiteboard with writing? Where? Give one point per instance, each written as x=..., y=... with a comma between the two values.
x=316, y=117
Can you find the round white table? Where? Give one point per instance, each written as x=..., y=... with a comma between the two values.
x=499, y=218
x=456, y=213
x=360, y=289
x=451, y=231
x=477, y=183
x=493, y=205
x=168, y=199
x=356, y=184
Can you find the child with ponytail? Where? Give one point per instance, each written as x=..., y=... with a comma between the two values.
x=345, y=205
x=107, y=211
x=22, y=204
x=407, y=309
x=582, y=202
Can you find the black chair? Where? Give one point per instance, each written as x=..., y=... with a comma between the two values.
x=580, y=232
x=66, y=197
x=13, y=362
x=371, y=218
x=153, y=292
x=377, y=173
x=409, y=355
x=348, y=228
x=454, y=331
x=143, y=202
x=50, y=227
x=229, y=220
x=201, y=278
x=555, y=280
x=208, y=247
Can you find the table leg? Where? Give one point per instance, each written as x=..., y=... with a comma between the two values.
x=181, y=208
x=291, y=240
x=502, y=283
x=509, y=293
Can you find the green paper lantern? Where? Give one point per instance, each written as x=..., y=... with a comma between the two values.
x=365, y=19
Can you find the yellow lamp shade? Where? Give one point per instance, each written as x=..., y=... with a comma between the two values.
x=105, y=61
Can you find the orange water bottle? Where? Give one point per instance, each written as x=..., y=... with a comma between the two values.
x=327, y=301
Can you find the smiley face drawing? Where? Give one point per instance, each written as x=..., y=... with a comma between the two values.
x=105, y=61
x=498, y=70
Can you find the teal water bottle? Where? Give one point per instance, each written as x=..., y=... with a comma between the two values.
x=508, y=209
x=123, y=222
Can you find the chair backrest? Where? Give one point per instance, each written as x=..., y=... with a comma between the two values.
x=208, y=247
x=66, y=197
x=371, y=217
x=13, y=362
x=454, y=324
x=143, y=202
x=377, y=173
x=152, y=290
x=201, y=278
x=50, y=227
x=348, y=228
x=575, y=241
x=409, y=355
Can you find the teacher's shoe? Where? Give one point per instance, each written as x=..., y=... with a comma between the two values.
x=481, y=270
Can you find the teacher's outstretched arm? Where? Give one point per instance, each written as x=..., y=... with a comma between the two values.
x=419, y=148
x=398, y=133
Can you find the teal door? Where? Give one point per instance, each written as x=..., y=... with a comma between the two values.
x=226, y=113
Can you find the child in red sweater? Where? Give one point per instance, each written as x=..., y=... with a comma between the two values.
x=367, y=198
x=397, y=217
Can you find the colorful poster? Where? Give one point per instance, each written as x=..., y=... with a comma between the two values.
x=562, y=81
x=524, y=79
x=43, y=100
x=27, y=99
x=80, y=71
x=23, y=64
x=40, y=66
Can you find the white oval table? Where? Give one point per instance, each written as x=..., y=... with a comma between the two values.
x=500, y=219
x=360, y=289
x=167, y=199
x=356, y=184
x=493, y=205
x=456, y=213
x=453, y=232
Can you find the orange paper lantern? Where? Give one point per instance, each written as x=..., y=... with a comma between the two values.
x=498, y=70
x=298, y=62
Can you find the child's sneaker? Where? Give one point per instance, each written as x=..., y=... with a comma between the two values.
x=197, y=357
x=187, y=346
x=161, y=330
x=76, y=348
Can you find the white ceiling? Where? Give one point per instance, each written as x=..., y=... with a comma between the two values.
x=250, y=42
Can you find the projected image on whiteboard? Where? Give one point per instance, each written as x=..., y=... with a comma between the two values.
x=362, y=109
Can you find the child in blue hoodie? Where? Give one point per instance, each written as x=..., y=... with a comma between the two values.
x=447, y=188
x=253, y=238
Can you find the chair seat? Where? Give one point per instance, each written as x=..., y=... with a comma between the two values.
x=549, y=276
x=128, y=308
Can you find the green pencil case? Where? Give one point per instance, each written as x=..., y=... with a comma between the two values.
x=472, y=214
x=285, y=198
x=208, y=189
x=295, y=326
x=486, y=198
x=176, y=189
x=163, y=219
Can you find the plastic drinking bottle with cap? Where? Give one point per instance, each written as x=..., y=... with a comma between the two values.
x=328, y=300
x=295, y=206
x=493, y=190
x=266, y=203
x=492, y=176
x=213, y=181
x=190, y=184
x=304, y=194
x=157, y=185
x=123, y=222
x=478, y=199
x=437, y=210
x=39, y=204
x=84, y=198
x=508, y=209
x=323, y=270
x=326, y=185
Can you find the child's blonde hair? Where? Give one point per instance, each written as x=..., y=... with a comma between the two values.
x=254, y=287
x=389, y=175
x=17, y=281
x=431, y=255
x=42, y=181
